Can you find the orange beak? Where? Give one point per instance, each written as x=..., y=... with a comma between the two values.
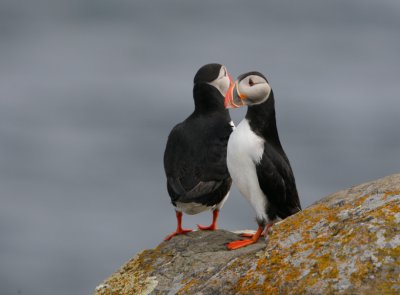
x=233, y=95
x=229, y=94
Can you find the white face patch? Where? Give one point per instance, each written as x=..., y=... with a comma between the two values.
x=255, y=88
x=222, y=82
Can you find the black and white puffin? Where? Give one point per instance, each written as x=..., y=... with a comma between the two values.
x=256, y=160
x=195, y=155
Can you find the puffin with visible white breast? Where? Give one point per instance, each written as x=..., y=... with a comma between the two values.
x=195, y=155
x=256, y=160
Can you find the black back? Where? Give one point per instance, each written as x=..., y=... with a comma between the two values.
x=195, y=155
x=275, y=175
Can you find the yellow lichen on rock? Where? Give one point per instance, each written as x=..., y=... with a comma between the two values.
x=347, y=243
x=340, y=247
x=133, y=277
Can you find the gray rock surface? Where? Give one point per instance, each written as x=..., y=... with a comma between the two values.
x=347, y=243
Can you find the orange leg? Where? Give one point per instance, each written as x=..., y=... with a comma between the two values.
x=246, y=235
x=264, y=233
x=179, y=229
x=243, y=243
x=213, y=225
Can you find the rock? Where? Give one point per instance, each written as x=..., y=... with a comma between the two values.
x=347, y=243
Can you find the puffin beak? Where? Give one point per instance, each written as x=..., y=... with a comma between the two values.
x=229, y=95
x=232, y=96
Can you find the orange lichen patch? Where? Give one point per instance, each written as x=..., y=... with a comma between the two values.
x=381, y=268
x=364, y=270
x=133, y=277
x=394, y=207
x=276, y=271
x=274, y=268
x=360, y=200
x=386, y=213
x=325, y=265
x=347, y=243
x=391, y=211
x=383, y=196
x=391, y=193
x=391, y=281
x=189, y=283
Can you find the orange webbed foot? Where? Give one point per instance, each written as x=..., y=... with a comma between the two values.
x=248, y=235
x=239, y=244
x=179, y=229
x=177, y=232
x=210, y=227
x=213, y=225
x=243, y=243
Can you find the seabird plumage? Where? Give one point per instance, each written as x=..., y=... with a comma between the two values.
x=195, y=155
x=256, y=160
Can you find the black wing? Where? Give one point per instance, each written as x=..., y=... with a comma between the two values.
x=195, y=162
x=277, y=181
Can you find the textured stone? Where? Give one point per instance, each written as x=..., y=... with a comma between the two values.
x=347, y=243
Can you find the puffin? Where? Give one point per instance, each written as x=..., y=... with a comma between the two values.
x=256, y=160
x=195, y=155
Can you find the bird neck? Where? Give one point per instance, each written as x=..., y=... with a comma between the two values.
x=262, y=121
x=207, y=99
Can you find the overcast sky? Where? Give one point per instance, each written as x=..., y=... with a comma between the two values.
x=90, y=89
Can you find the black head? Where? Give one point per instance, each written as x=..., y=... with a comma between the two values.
x=207, y=73
x=215, y=75
x=211, y=83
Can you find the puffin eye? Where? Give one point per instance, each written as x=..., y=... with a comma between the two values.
x=251, y=83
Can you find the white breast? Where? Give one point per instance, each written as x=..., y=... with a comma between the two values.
x=245, y=149
x=232, y=125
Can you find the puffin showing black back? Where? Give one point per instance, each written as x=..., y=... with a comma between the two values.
x=195, y=155
x=255, y=157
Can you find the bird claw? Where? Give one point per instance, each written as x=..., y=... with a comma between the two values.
x=177, y=232
x=210, y=227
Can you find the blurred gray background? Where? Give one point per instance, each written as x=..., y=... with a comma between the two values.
x=89, y=90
